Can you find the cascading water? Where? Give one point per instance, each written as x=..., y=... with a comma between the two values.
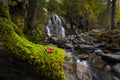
x=54, y=26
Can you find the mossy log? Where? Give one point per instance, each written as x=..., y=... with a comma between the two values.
x=48, y=66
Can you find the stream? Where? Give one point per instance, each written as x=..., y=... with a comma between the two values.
x=96, y=73
x=87, y=68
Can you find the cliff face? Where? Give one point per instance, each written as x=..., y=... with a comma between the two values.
x=21, y=59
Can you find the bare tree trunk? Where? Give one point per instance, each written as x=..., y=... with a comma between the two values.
x=113, y=17
x=31, y=15
x=108, y=15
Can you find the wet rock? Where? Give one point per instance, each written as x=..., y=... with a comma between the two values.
x=107, y=68
x=68, y=56
x=116, y=68
x=53, y=39
x=96, y=61
x=69, y=46
x=82, y=72
x=69, y=76
x=61, y=42
x=99, y=45
x=117, y=53
x=113, y=47
x=68, y=67
x=110, y=57
x=99, y=51
x=115, y=78
x=83, y=57
x=86, y=48
x=71, y=37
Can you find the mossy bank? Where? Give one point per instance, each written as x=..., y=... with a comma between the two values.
x=48, y=65
x=21, y=59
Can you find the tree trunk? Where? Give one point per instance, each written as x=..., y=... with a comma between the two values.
x=108, y=15
x=113, y=17
x=31, y=16
x=4, y=9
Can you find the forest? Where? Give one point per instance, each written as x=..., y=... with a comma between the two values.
x=59, y=39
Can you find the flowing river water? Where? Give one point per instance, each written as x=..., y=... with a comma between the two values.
x=54, y=27
x=97, y=74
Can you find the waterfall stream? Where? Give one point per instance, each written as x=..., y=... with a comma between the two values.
x=54, y=26
x=96, y=74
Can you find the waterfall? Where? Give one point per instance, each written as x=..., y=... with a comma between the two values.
x=48, y=31
x=54, y=26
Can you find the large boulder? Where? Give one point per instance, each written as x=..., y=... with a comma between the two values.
x=74, y=69
x=109, y=57
x=116, y=68
x=82, y=72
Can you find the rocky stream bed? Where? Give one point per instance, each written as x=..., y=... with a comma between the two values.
x=87, y=59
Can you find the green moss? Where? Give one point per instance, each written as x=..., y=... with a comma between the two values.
x=110, y=36
x=48, y=65
x=37, y=34
x=4, y=10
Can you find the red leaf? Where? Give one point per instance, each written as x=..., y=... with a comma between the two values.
x=50, y=50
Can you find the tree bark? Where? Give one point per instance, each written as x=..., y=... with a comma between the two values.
x=108, y=15
x=31, y=16
x=113, y=17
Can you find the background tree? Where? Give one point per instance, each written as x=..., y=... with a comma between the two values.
x=113, y=17
x=33, y=12
x=108, y=15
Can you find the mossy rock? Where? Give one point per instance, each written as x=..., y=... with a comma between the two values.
x=109, y=36
x=48, y=65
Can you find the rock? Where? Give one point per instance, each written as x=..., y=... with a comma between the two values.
x=61, y=42
x=110, y=57
x=98, y=45
x=113, y=47
x=113, y=57
x=69, y=76
x=54, y=39
x=86, y=48
x=83, y=57
x=99, y=52
x=96, y=61
x=82, y=72
x=117, y=53
x=74, y=69
x=69, y=46
x=107, y=68
x=71, y=37
x=116, y=68
x=115, y=78
x=68, y=26
x=68, y=56
x=68, y=67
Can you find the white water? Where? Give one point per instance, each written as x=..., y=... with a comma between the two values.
x=54, y=26
x=48, y=31
x=84, y=63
